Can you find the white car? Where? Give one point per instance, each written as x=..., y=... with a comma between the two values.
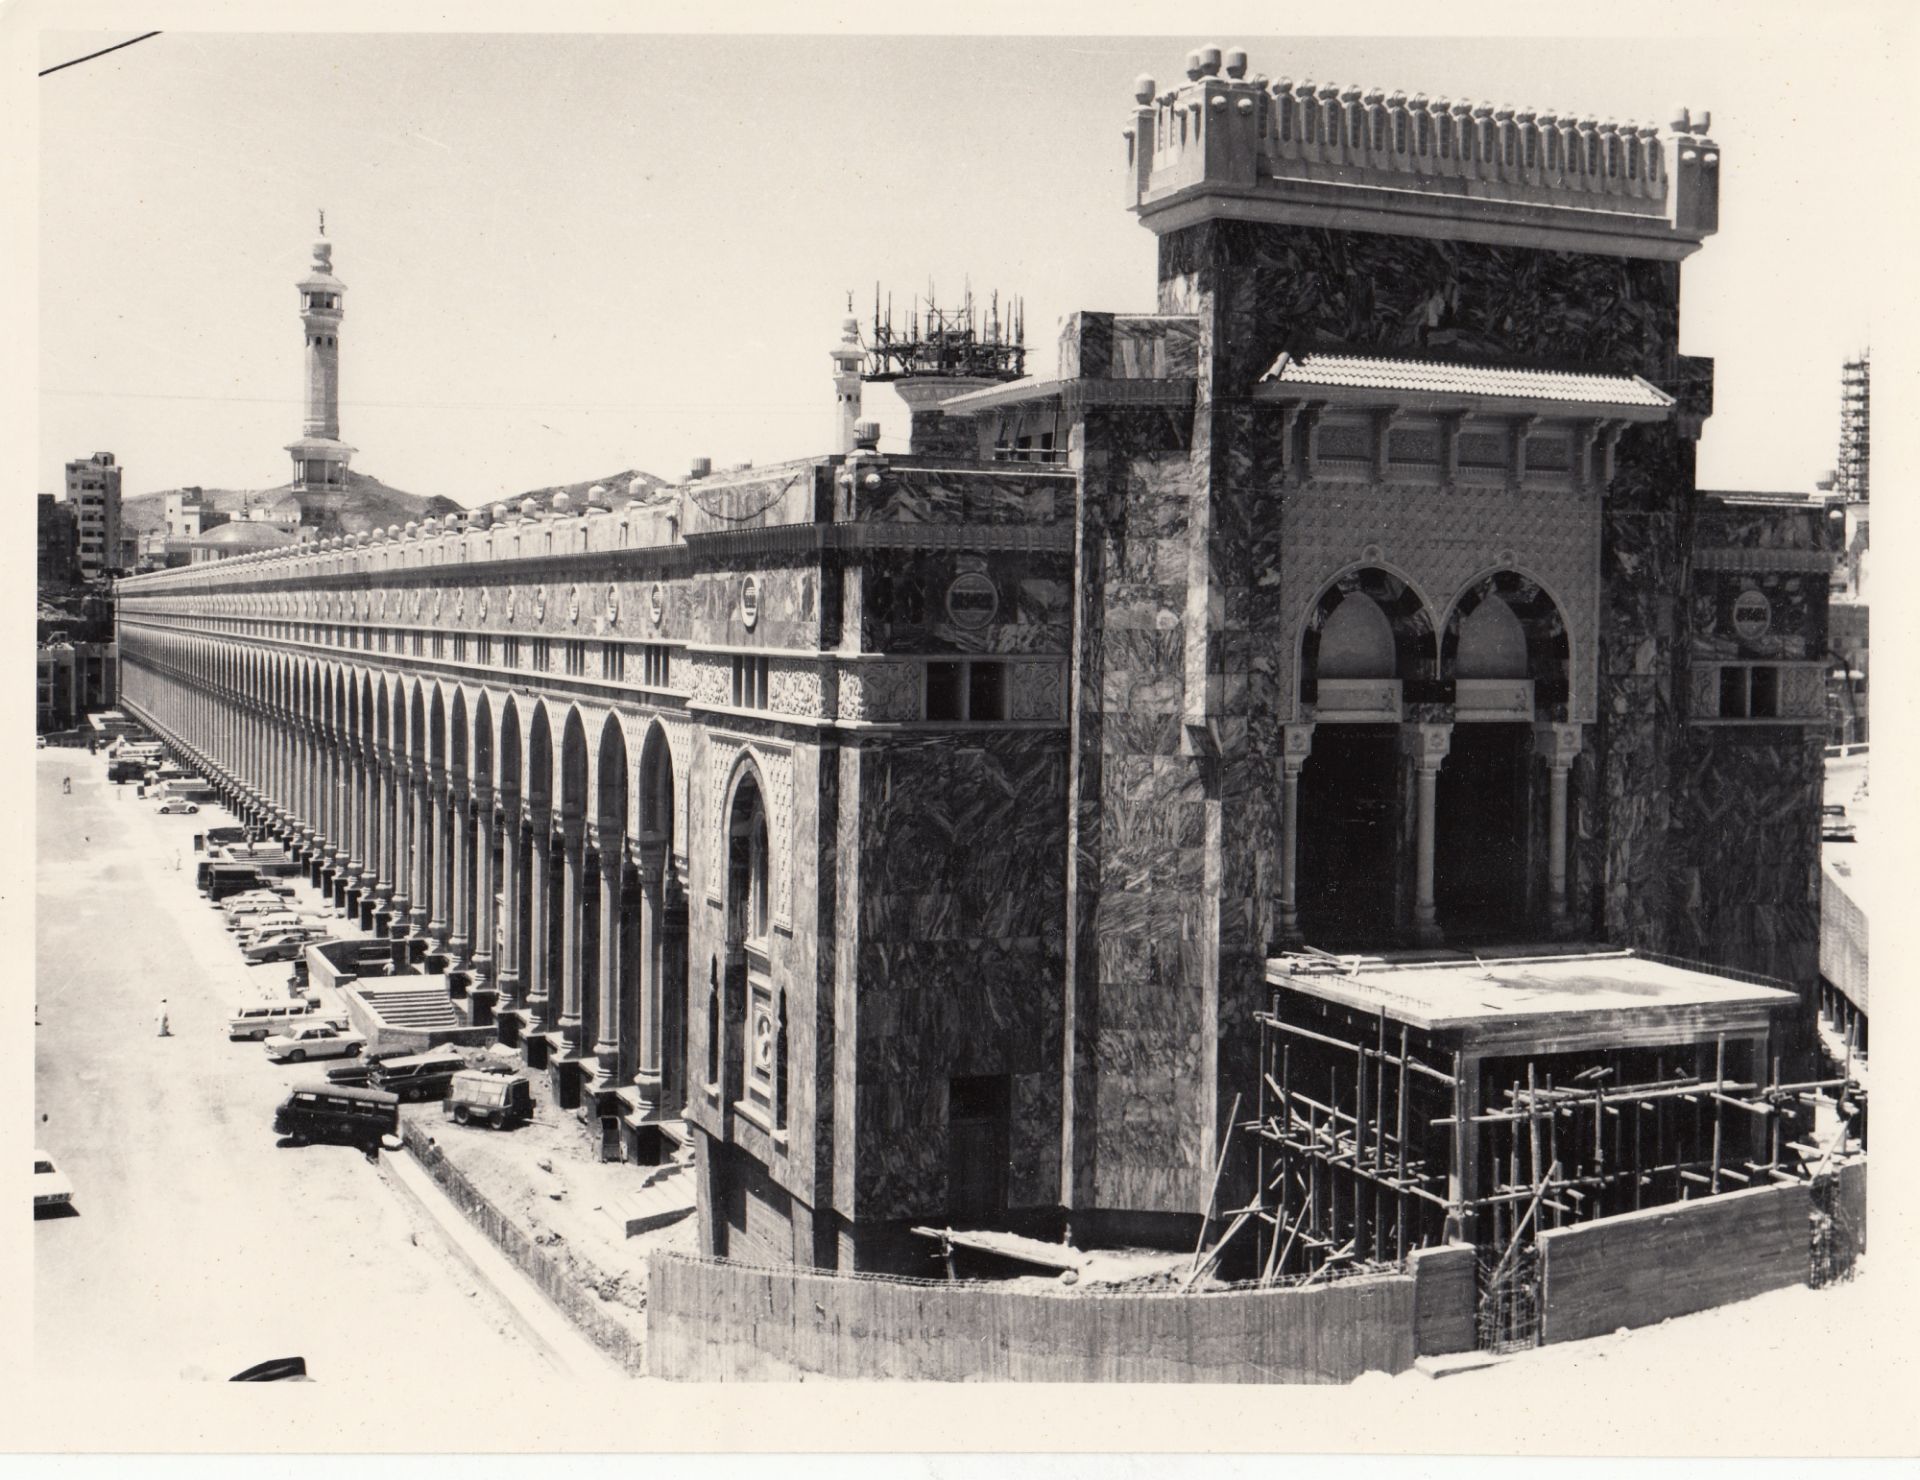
x=177, y=807
x=51, y=1189
x=314, y=1041
x=280, y=945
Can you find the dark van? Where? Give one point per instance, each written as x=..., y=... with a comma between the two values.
x=417, y=1076
x=337, y=1112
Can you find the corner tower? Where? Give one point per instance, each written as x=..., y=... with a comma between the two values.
x=319, y=456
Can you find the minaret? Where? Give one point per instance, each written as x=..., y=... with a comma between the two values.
x=848, y=360
x=320, y=458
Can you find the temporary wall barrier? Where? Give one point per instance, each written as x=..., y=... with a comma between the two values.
x=713, y=1320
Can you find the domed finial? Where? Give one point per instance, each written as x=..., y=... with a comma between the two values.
x=1143, y=89
x=637, y=488
x=1209, y=61
x=1193, y=66
x=1236, y=61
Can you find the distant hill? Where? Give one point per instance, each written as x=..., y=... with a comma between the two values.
x=365, y=503
x=617, y=485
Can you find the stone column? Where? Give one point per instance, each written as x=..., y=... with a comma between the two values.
x=1429, y=744
x=485, y=886
x=648, y=1075
x=425, y=855
x=1299, y=745
x=509, y=973
x=450, y=864
x=539, y=921
x=613, y=868
x=404, y=895
x=573, y=868
x=1558, y=745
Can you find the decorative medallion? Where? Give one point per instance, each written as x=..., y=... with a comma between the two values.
x=657, y=603
x=460, y=604
x=1752, y=615
x=750, y=601
x=613, y=606
x=439, y=601
x=512, y=592
x=573, y=606
x=762, y=1039
x=540, y=604
x=419, y=603
x=972, y=599
x=483, y=605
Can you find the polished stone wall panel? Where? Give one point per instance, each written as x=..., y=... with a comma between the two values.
x=902, y=603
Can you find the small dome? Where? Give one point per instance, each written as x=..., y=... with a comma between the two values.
x=393, y=531
x=451, y=522
x=529, y=508
x=637, y=488
x=1143, y=89
x=562, y=504
x=501, y=511
x=413, y=528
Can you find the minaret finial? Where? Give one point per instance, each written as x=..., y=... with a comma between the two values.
x=323, y=220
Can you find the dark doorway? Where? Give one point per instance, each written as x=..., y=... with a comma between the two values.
x=1480, y=832
x=1348, y=789
x=977, y=1117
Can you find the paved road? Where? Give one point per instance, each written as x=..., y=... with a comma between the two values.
x=199, y=1246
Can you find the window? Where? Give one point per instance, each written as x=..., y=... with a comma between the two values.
x=483, y=648
x=1749, y=691
x=419, y=642
x=510, y=652
x=655, y=665
x=973, y=689
x=542, y=654
x=613, y=662
x=713, y=1022
x=439, y=645
x=749, y=682
x=459, y=647
x=576, y=656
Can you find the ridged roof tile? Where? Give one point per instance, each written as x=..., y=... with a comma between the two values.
x=1437, y=377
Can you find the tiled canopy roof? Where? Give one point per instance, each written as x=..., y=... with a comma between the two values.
x=1433, y=377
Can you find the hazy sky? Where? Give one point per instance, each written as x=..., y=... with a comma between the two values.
x=566, y=255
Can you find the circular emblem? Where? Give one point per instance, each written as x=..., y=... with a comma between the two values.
x=540, y=604
x=972, y=600
x=573, y=606
x=1752, y=615
x=750, y=601
x=657, y=603
x=763, y=1040
x=613, y=606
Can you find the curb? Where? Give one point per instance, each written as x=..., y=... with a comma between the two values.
x=547, y=1328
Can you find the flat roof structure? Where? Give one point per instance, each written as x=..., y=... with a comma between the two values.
x=1540, y=1004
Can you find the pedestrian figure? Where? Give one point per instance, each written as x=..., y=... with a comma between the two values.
x=166, y=1031
x=66, y=785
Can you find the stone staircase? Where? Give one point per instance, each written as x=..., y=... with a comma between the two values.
x=420, y=1009
x=664, y=1196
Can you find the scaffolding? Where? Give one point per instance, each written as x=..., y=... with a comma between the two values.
x=960, y=343
x=1378, y=1135
x=1856, y=380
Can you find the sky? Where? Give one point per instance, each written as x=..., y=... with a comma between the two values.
x=571, y=254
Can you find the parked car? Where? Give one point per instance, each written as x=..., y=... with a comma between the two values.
x=177, y=807
x=259, y=1020
x=418, y=1076
x=307, y=932
x=253, y=922
x=51, y=1189
x=488, y=1098
x=280, y=945
x=221, y=837
x=360, y=1070
x=1834, y=824
x=326, y=1112
x=314, y=1041
x=255, y=902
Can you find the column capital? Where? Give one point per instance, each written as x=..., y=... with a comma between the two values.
x=1297, y=745
x=1558, y=743
x=1428, y=744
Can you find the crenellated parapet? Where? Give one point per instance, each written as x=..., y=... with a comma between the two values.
x=1224, y=143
